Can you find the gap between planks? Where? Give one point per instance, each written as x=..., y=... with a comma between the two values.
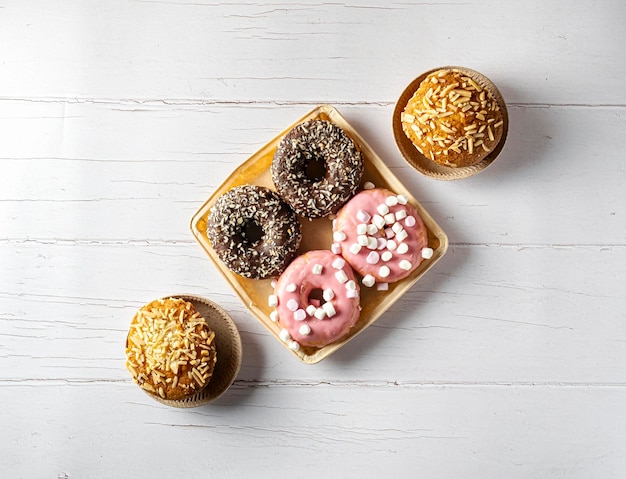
x=247, y=384
x=164, y=242
x=194, y=102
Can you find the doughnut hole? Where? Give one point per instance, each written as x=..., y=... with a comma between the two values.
x=251, y=233
x=316, y=297
x=315, y=169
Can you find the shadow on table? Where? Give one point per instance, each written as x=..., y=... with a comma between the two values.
x=532, y=134
x=405, y=313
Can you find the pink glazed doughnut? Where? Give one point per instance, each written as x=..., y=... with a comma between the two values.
x=316, y=300
x=381, y=236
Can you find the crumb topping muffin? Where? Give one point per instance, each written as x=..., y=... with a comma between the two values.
x=452, y=120
x=170, y=349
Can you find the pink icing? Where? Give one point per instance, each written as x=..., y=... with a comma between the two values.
x=368, y=201
x=347, y=309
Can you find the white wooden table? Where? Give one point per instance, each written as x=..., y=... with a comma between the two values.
x=118, y=119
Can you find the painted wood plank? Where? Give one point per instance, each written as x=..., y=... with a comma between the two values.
x=99, y=430
x=128, y=172
x=537, y=52
x=490, y=315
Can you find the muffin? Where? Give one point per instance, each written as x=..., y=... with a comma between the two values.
x=170, y=349
x=452, y=119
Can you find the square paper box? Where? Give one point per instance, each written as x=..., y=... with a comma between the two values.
x=316, y=234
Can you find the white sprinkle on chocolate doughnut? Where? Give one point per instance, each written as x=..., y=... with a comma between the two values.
x=311, y=146
x=253, y=231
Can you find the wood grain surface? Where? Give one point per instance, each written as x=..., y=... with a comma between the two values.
x=119, y=119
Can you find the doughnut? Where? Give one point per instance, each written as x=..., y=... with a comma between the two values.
x=452, y=120
x=170, y=349
x=382, y=236
x=316, y=300
x=316, y=168
x=254, y=233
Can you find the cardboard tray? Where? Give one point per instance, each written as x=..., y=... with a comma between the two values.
x=316, y=234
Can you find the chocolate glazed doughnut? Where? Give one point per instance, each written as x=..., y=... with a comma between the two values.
x=316, y=168
x=254, y=233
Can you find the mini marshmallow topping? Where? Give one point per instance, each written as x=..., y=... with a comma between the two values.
x=292, y=305
x=341, y=276
x=368, y=280
x=328, y=294
x=312, y=308
x=395, y=232
x=355, y=248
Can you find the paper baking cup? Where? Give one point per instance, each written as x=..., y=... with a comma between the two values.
x=229, y=354
x=425, y=165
